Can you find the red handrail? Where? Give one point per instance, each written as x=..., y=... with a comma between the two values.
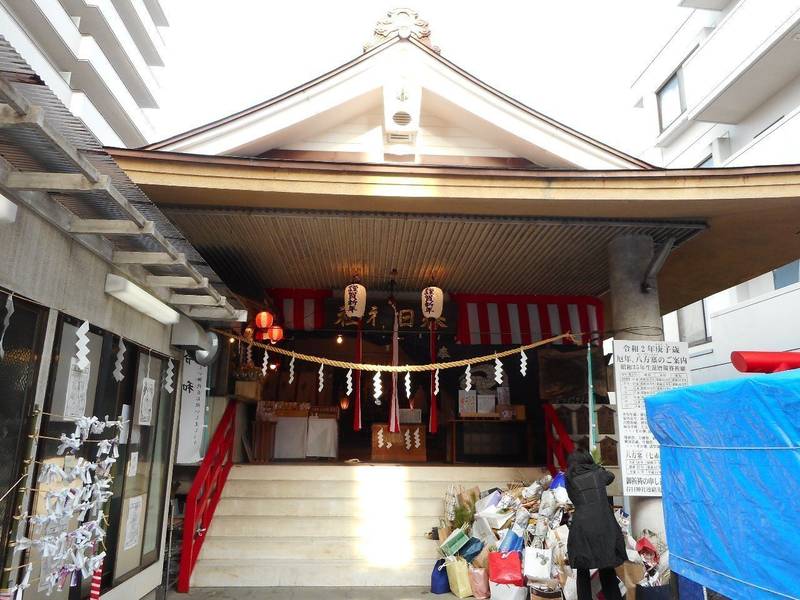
x=205, y=493
x=559, y=444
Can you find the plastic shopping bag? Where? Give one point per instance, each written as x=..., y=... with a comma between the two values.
x=458, y=577
x=502, y=591
x=538, y=563
x=439, y=582
x=506, y=567
x=479, y=582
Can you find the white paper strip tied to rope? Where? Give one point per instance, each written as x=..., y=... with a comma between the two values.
x=377, y=387
x=523, y=363
x=498, y=371
x=349, y=382
x=6, y=321
x=417, y=439
x=468, y=378
x=265, y=363
x=408, y=385
x=321, y=378
x=117, y=373
x=249, y=354
x=169, y=377
x=291, y=370
x=82, y=355
x=407, y=438
x=436, y=383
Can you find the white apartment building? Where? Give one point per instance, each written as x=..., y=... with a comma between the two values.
x=101, y=58
x=724, y=91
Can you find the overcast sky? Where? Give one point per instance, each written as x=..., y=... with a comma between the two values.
x=573, y=60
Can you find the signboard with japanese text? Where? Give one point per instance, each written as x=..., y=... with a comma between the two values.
x=193, y=410
x=641, y=369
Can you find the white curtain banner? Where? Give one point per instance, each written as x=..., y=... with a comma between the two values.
x=193, y=409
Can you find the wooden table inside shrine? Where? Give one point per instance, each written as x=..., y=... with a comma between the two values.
x=513, y=425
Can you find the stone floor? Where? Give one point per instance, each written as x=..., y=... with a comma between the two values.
x=312, y=593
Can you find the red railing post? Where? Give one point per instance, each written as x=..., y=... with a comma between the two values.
x=203, y=497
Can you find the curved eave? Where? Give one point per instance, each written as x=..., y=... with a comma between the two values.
x=753, y=213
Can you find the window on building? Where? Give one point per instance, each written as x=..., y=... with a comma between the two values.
x=786, y=275
x=22, y=345
x=670, y=101
x=135, y=511
x=692, y=325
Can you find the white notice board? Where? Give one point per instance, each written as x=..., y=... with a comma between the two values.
x=641, y=369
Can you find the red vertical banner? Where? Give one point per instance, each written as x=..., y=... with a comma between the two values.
x=357, y=377
x=433, y=414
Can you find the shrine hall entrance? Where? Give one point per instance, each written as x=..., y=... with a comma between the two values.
x=297, y=413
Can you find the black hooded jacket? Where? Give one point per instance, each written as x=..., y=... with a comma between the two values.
x=595, y=539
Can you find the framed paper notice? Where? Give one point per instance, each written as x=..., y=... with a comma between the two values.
x=134, y=522
x=146, y=401
x=133, y=464
x=641, y=369
x=77, y=389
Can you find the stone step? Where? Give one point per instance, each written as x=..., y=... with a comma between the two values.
x=364, y=472
x=311, y=549
x=385, y=572
x=329, y=507
x=311, y=526
x=254, y=488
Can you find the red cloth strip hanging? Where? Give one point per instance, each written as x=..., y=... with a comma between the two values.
x=433, y=415
x=394, y=409
x=357, y=378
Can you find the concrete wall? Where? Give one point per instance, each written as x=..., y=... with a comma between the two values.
x=44, y=264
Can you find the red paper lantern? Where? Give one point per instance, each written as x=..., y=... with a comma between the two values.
x=275, y=333
x=264, y=319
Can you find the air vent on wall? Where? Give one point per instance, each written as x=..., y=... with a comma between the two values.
x=399, y=138
x=401, y=118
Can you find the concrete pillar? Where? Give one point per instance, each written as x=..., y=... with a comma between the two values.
x=636, y=316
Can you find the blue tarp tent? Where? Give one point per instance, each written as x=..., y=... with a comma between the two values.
x=730, y=459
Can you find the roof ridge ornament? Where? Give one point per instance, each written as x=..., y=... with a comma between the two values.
x=403, y=22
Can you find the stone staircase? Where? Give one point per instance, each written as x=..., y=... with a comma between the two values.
x=332, y=525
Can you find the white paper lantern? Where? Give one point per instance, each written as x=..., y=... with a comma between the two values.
x=355, y=300
x=432, y=302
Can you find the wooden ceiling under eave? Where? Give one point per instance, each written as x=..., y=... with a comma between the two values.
x=752, y=216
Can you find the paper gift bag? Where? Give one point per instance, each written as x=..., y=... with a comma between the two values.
x=597, y=589
x=630, y=574
x=458, y=576
x=502, y=591
x=538, y=563
x=471, y=549
x=537, y=594
x=506, y=567
x=479, y=582
x=454, y=542
x=482, y=560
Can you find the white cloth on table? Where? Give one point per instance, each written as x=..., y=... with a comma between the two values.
x=323, y=437
x=290, y=437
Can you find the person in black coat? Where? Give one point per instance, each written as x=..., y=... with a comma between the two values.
x=595, y=539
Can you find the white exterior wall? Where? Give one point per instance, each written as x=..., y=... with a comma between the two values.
x=437, y=137
x=743, y=59
x=98, y=56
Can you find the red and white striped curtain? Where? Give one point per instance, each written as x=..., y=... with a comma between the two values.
x=505, y=320
x=301, y=309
